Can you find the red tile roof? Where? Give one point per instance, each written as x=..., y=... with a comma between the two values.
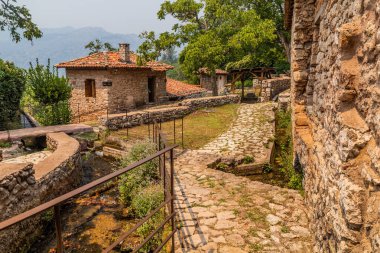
x=111, y=60
x=177, y=88
x=217, y=71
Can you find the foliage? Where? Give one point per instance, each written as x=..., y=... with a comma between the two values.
x=5, y=144
x=222, y=166
x=47, y=94
x=53, y=114
x=247, y=83
x=97, y=46
x=141, y=177
x=147, y=228
x=147, y=200
x=46, y=86
x=248, y=159
x=17, y=19
x=220, y=34
x=12, y=85
x=285, y=157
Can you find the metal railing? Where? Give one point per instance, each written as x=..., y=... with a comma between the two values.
x=167, y=177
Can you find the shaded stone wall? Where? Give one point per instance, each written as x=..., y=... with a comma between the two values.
x=207, y=82
x=270, y=88
x=23, y=187
x=129, y=89
x=165, y=113
x=335, y=96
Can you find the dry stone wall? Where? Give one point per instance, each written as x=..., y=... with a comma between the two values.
x=335, y=96
x=270, y=88
x=165, y=113
x=23, y=187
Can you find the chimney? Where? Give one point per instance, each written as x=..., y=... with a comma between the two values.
x=124, y=52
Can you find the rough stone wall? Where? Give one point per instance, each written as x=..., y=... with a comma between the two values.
x=207, y=83
x=165, y=113
x=23, y=187
x=272, y=87
x=335, y=96
x=129, y=89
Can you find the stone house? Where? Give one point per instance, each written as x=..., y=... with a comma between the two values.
x=335, y=90
x=113, y=81
x=207, y=81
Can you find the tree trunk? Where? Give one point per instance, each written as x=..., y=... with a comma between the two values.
x=285, y=43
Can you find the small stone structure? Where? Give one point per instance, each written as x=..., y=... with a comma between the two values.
x=24, y=186
x=336, y=106
x=113, y=81
x=270, y=88
x=165, y=113
x=207, y=81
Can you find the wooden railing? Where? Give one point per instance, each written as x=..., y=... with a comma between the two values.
x=167, y=178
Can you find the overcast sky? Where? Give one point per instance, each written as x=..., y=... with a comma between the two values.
x=117, y=16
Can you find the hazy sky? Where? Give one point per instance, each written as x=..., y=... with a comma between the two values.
x=118, y=16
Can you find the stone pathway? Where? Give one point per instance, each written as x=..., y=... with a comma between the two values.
x=221, y=212
x=30, y=158
x=249, y=135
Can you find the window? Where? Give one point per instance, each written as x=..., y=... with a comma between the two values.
x=89, y=87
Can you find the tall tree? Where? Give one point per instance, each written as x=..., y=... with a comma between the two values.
x=97, y=46
x=17, y=19
x=218, y=34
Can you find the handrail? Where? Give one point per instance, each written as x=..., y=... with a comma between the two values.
x=80, y=190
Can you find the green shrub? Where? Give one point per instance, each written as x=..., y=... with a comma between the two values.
x=284, y=158
x=147, y=228
x=12, y=84
x=53, y=114
x=248, y=159
x=5, y=144
x=146, y=200
x=222, y=166
x=141, y=177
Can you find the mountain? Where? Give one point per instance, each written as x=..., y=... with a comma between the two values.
x=59, y=44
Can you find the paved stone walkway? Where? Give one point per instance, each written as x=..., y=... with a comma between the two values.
x=221, y=212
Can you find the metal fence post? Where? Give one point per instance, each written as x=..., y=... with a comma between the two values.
x=172, y=192
x=174, y=130
x=183, y=145
x=58, y=228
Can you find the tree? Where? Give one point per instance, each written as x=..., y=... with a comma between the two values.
x=12, y=84
x=97, y=46
x=217, y=34
x=17, y=19
x=51, y=94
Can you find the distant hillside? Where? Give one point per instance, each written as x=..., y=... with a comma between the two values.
x=59, y=44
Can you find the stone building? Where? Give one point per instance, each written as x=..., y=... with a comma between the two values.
x=114, y=81
x=207, y=81
x=336, y=105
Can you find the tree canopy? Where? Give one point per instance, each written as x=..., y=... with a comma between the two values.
x=12, y=84
x=97, y=46
x=17, y=19
x=220, y=34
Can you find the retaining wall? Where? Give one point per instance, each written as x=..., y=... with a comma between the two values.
x=165, y=113
x=272, y=87
x=23, y=187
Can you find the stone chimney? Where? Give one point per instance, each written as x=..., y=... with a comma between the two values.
x=124, y=52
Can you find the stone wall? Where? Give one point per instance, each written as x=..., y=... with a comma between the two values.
x=165, y=113
x=270, y=88
x=207, y=82
x=23, y=187
x=129, y=89
x=335, y=96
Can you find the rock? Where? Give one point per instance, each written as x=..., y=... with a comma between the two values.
x=273, y=220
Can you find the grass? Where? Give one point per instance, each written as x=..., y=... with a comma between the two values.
x=200, y=127
x=5, y=144
x=255, y=247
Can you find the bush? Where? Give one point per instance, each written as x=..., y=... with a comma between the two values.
x=12, y=84
x=142, y=204
x=141, y=177
x=284, y=158
x=53, y=114
x=146, y=200
x=49, y=95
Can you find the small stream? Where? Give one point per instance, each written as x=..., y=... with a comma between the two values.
x=92, y=221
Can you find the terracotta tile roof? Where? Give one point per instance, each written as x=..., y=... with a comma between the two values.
x=111, y=60
x=217, y=71
x=177, y=88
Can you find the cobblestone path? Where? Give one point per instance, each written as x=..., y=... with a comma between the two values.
x=223, y=213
